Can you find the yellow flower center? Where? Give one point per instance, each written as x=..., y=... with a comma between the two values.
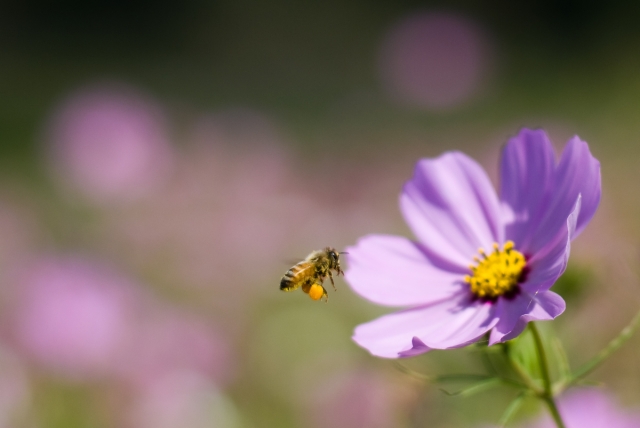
x=497, y=273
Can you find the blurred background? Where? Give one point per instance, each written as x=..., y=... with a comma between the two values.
x=162, y=164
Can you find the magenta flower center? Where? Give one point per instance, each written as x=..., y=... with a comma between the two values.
x=497, y=273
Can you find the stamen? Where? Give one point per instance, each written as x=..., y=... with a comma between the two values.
x=498, y=273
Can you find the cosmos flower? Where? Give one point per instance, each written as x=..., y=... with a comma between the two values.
x=181, y=399
x=358, y=398
x=71, y=314
x=435, y=60
x=482, y=263
x=110, y=143
x=163, y=340
x=590, y=408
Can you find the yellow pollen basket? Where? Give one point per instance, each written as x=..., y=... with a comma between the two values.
x=316, y=292
x=496, y=273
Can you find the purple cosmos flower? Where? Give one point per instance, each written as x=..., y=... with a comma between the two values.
x=482, y=263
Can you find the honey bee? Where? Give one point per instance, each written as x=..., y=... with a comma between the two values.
x=311, y=272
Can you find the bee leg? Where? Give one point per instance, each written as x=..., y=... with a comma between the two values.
x=325, y=294
x=331, y=278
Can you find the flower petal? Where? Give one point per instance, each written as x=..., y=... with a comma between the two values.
x=394, y=271
x=452, y=207
x=515, y=314
x=577, y=159
x=578, y=173
x=550, y=262
x=526, y=175
x=448, y=324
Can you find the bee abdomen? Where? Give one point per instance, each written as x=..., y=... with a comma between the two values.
x=285, y=283
x=288, y=280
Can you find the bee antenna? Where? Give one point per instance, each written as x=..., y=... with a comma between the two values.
x=344, y=252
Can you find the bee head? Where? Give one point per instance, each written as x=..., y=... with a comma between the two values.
x=333, y=254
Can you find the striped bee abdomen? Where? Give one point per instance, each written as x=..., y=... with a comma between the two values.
x=297, y=276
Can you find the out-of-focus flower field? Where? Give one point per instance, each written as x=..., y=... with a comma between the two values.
x=163, y=164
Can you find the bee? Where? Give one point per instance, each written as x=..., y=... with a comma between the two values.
x=311, y=272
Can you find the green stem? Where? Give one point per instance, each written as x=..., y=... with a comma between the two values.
x=613, y=346
x=530, y=384
x=512, y=409
x=547, y=396
x=553, y=409
x=542, y=358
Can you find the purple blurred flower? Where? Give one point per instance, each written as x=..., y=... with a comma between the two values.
x=356, y=399
x=110, y=144
x=451, y=297
x=182, y=399
x=434, y=60
x=231, y=189
x=162, y=341
x=71, y=315
x=15, y=391
x=590, y=409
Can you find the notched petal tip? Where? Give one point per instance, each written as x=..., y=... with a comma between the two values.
x=417, y=347
x=589, y=175
x=515, y=315
x=449, y=324
x=538, y=134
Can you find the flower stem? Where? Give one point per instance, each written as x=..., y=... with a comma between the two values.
x=613, y=346
x=553, y=409
x=528, y=382
x=547, y=395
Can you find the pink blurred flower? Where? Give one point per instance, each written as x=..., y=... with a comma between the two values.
x=71, y=315
x=434, y=60
x=162, y=341
x=223, y=210
x=82, y=320
x=15, y=390
x=591, y=409
x=179, y=400
x=356, y=399
x=247, y=153
x=452, y=297
x=110, y=143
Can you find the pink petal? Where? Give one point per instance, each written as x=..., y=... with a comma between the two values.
x=448, y=324
x=394, y=271
x=515, y=314
x=578, y=173
x=551, y=261
x=452, y=207
x=526, y=175
x=578, y=160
